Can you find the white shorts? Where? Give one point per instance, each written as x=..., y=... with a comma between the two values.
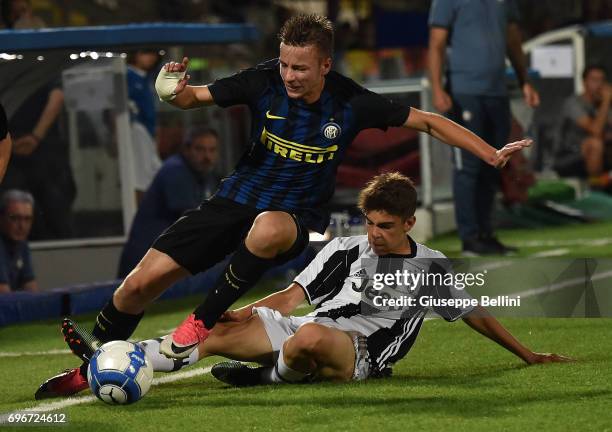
x=279, y=328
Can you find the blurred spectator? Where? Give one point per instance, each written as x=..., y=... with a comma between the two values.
x=40, y=163
x=16, y=214
x=476, y=97
x=143, y=118
x=584, y=142
x=182, y=183
x=5, y=143
x=17, y=14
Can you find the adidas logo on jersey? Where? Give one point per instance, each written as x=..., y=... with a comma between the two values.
x=360, y=274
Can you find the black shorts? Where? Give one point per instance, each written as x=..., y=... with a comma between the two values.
x=205, y=236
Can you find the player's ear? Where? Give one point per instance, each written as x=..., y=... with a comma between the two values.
x=409, y=223
x=326, y=65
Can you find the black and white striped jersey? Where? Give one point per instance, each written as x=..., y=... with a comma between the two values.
x=340, y=282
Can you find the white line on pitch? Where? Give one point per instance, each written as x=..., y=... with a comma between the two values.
x=561, y=285
x=551, y=253
x=552, y=243
x=569, y=242
x=34, y=353
x=77, y=400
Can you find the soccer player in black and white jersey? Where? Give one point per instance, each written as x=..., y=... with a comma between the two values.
x=344, y=338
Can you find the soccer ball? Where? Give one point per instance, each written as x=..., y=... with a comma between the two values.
x=119, y=373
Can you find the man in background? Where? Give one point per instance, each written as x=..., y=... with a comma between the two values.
x=585, y=132
x=184, y=180
x=16, y=215
x=143, y=119
x=474, y=38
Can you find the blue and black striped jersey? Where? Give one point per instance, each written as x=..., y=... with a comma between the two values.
x=296, y=147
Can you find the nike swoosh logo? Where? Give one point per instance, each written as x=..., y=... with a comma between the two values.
x=273, y=117
x=182, y=349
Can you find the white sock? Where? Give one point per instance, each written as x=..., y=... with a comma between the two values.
x=281, y=373
x=161, y=363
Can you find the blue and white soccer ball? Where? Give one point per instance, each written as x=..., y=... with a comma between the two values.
x=119, y=373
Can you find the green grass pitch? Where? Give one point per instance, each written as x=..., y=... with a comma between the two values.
x=453, y=379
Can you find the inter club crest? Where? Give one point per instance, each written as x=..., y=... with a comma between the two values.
x=331, y=130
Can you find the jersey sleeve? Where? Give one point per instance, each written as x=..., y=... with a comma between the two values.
x=316, y=276
x=441, y=13
x=445, y=288
x=241, y=88
x=3, y=123
x=375, y=111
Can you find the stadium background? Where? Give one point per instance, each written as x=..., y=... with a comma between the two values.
x=381, y=44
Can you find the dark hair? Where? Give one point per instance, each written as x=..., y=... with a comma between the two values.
x=132, y=54
x=309, y=29
x=197, y=131
x=392, y=192
x=594, y=66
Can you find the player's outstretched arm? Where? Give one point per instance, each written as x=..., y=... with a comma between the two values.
x=486, y=324
x=171, y=86
x=284, y=301
x=456, y=135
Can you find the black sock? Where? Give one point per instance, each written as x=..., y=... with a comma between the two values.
x=83, y=369
x=242, y=272
x=112, y=324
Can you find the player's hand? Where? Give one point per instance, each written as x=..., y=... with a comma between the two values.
x=538, y=358
x=25, y=145
x=531, y=95
x=442, y=101
x=237, y=315
x=172, y=80
x=505, y=153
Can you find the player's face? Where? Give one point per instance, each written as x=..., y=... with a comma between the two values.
x=146, y=60
x=594, y=83
x=203, y=152
x=387, y=232
x=303, y=71
x=17, y=220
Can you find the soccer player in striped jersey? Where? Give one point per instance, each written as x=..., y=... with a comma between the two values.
x=304, y=116
x=348, y=336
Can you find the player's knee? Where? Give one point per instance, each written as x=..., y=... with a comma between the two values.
x=271, y=231
x=133, y=288
x=307, y=341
